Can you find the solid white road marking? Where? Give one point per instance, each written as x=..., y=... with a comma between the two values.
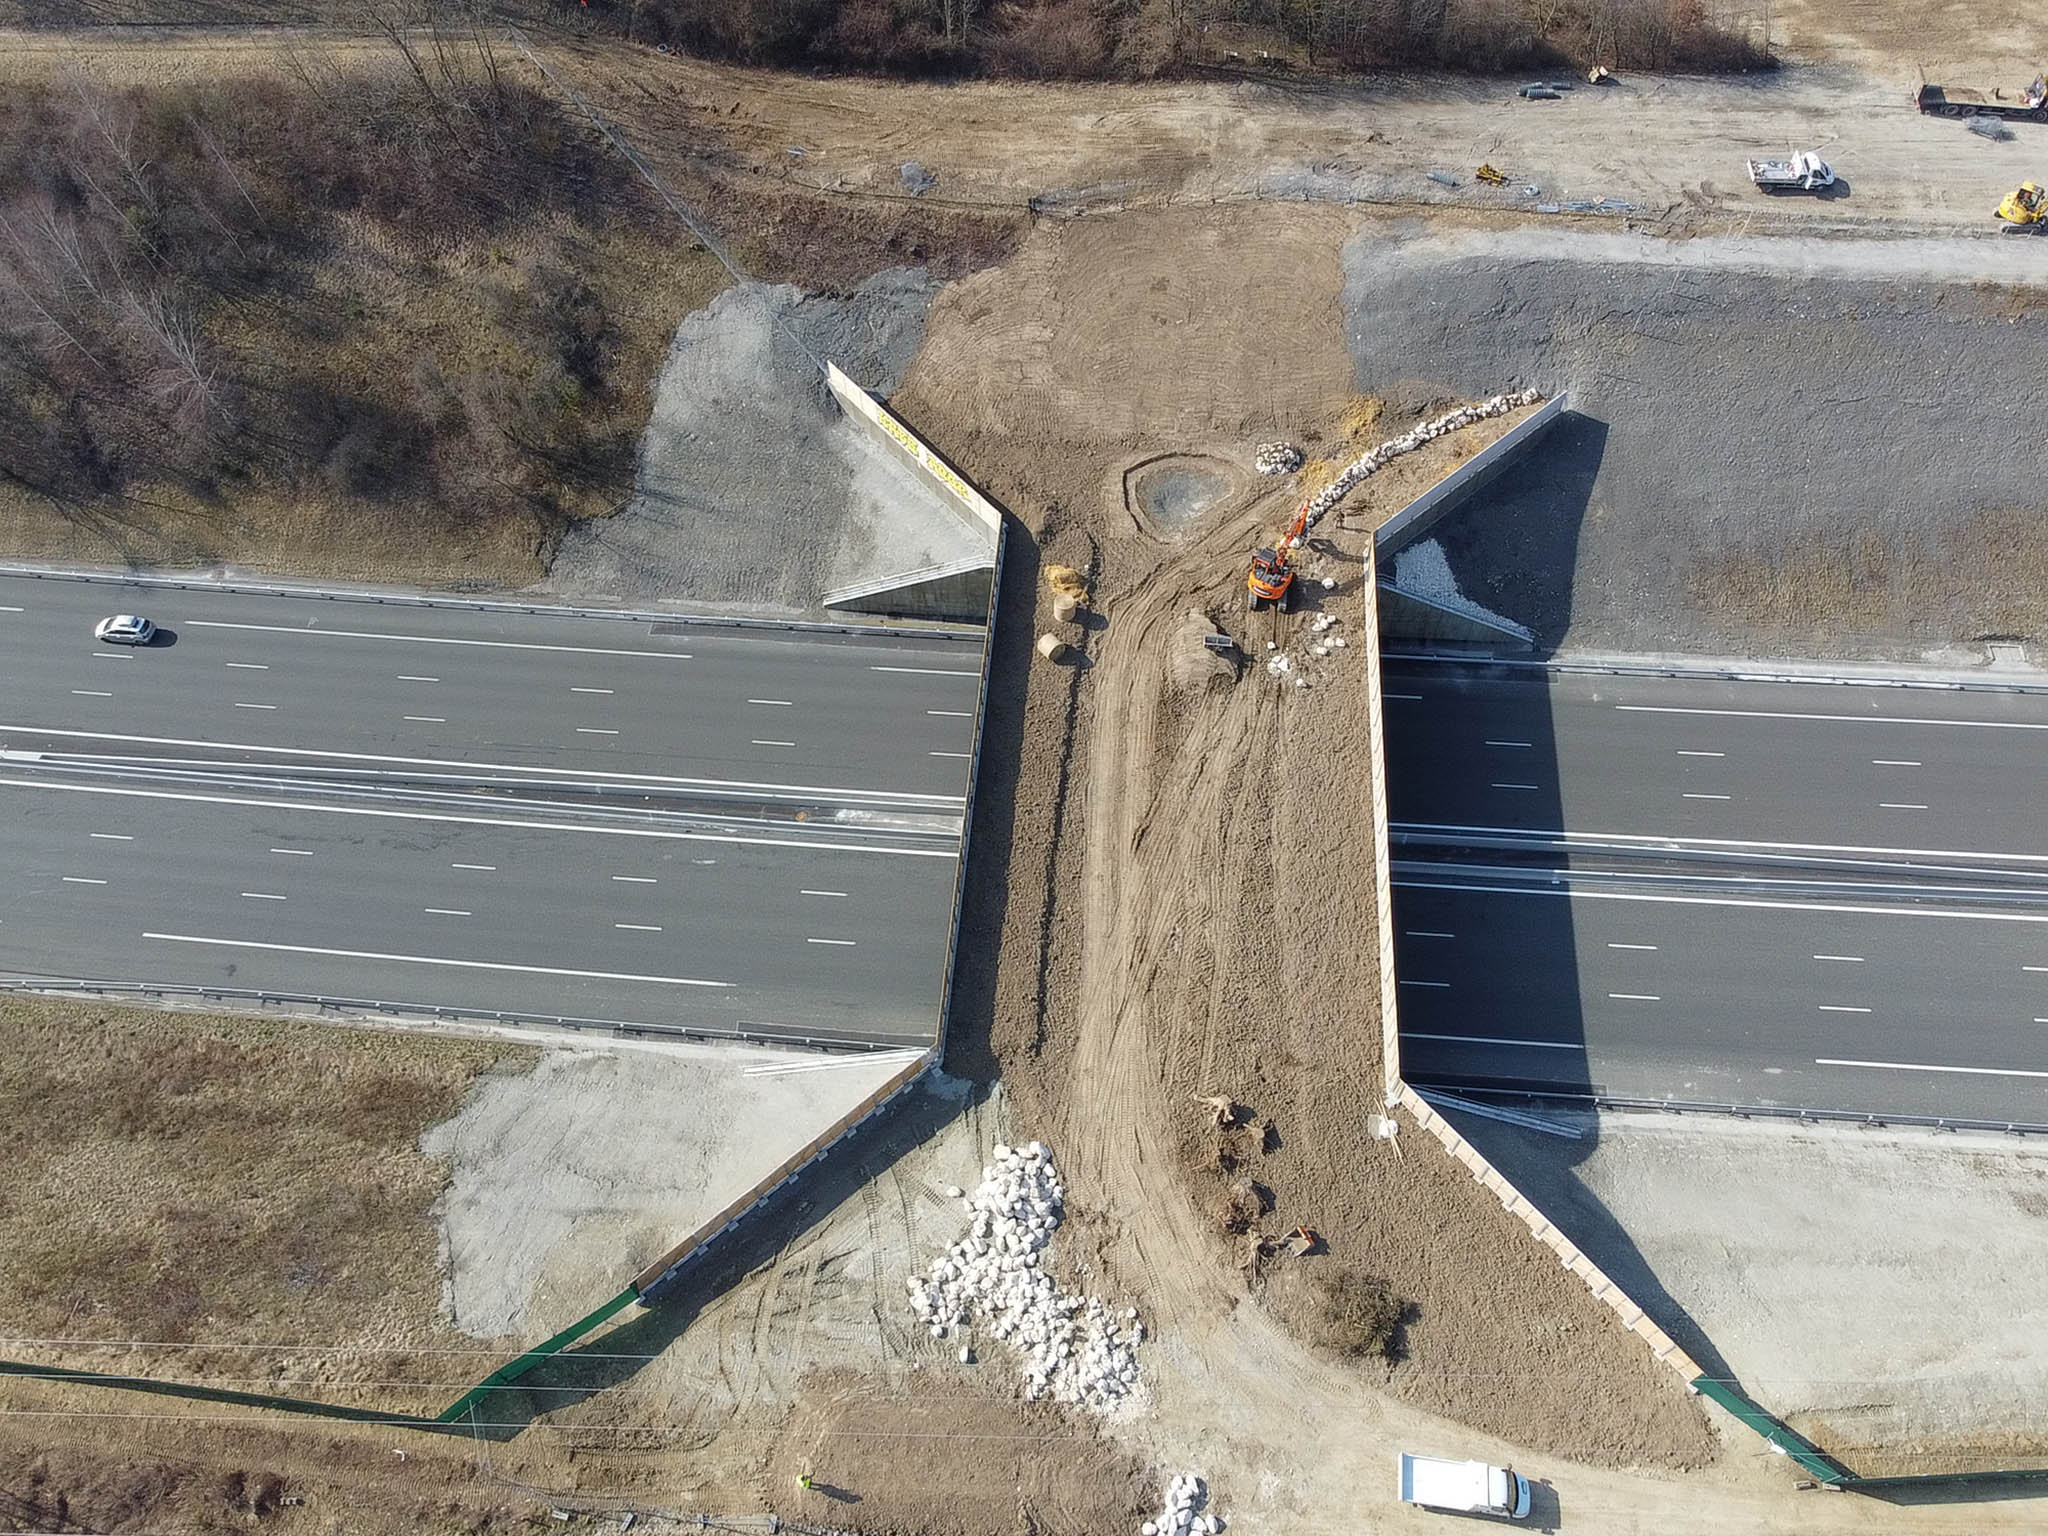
x=9, y=608
x=926, y=671
x=635, y=879
x=849, y=943
x=774, y=743
x=1656, y=839
x=1631, y=946
x=1726, y=901
x=261, y=896
x=947, y=754
x=447, y=911
x=448, y=762
x=1790, y=714
x=1634, y=997
x=304, y=853
x=1839, y=1008
x=777, y=703
x=81, y=880
x=952, y=714
x=821, y=893
x=473, y=866
x=590, y=690
x=638, y=927
x=467, y=965
x=1548, y=1045
x=594, y=730
x=250, y=666
x=482, y=821
x=255, y=706
x=1916, y=1066
x=414, y=677
x=113, y=837
x=1683, y=752
x=497, y=645
x=92, y=693
x=1894, y=762
x=1891, y=805
x=1846, y=959
x=1692, y=796
x=428, y=719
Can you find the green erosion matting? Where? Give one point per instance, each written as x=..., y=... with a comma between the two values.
x=518, y=1366
x=217, y=1395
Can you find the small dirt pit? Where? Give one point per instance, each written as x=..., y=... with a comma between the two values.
x=1171, y=492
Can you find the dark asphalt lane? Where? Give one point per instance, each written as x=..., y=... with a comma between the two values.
x=806, y=866
x=1659, y=888
x=1813, y=766
x=288, y=676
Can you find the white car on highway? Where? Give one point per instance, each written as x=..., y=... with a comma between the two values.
x=124, y=629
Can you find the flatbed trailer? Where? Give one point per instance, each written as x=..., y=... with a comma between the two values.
x=1943, y=101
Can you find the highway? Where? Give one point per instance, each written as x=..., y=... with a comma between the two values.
x=1804, y=895
x=672, y=824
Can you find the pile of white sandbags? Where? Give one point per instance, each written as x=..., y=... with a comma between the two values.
x=1276, y=459
x=1075, y=1350
x=1372, y=463
x=1186, y=1498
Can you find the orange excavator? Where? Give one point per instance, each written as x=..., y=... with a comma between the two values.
x=1271, y=579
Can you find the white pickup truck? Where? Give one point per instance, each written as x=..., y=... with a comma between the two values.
x=1803, y=172
x=1464, y=1487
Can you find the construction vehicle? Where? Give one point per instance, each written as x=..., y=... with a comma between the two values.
x=1271, y=578
x=1464, y=1487
x=2025, y=209
x=1803, y=172
x=2032, y=105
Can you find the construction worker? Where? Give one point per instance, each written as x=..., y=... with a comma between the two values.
x=803, y=1481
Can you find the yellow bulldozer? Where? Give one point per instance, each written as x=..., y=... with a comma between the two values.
x=2026, y=208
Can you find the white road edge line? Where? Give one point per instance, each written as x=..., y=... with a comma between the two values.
x=925, y=671
x=495, y=645
x=483, y=821
x=1726, y=901
x=1920, y=1066
x=446, y=762
x=467, y=965
x=1791, y=714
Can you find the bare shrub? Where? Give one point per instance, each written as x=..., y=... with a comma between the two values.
x=1351, y=1312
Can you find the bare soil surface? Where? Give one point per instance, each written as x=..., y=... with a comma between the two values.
x=234, y=1200
x=1891, y=1321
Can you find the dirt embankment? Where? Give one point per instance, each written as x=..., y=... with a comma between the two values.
x=1189, y=906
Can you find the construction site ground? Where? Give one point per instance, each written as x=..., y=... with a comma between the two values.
x=1169, y=895
x=1870, y=1285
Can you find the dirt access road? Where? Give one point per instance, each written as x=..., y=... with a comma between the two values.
x=1673, y=147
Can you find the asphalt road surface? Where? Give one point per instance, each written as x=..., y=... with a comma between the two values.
x=1818, y=895
x=686, y=825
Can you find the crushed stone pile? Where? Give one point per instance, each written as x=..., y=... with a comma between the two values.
x=1370, y=464
x=1074, y=1349
x=1276, y=459
x=1182, y=1513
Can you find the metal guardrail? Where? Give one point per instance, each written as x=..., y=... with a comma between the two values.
x=1873, y=1119
x=488, y=605
x=61, y=985
x=1721, y=674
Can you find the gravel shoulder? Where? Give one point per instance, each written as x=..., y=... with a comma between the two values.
x=1775, y=446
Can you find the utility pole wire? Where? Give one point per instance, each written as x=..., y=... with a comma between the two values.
x=696, y=226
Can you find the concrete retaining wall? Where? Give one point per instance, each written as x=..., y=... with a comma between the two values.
x=1399, y=1094
x=914, y=451
x=667, y=1269
x=1434, y=504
